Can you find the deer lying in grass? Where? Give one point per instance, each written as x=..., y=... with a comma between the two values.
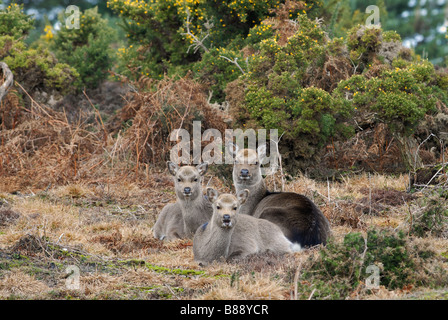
x=231, y=235
x=181, y=219
x=297, y=216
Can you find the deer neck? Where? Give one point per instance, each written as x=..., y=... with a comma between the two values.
x=257, y=191
x=194, y=211
x=218, y=240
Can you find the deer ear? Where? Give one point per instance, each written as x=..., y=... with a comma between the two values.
x=212, y=194
x=261, y=151
x=233, y=149
x=242, y=196
x=172, y=167
x=202, y=168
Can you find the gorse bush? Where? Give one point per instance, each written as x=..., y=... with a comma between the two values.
x=311, y=87
x=346, y=264
x=431, y=217
x=216, y=71
x=87, y=49
x=14, y=22
x=157, y=30
x=399, y=97
x=34, y=68
x=278, y=94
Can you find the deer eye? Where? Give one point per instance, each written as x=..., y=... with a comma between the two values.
x=256, y=163
x=235, y=208
x=179, y=180
x=218, y=207
x=195, y=179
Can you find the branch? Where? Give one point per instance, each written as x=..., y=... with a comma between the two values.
x=197, y=43
x=234, y=61
x=418, y=148
x=7, y=74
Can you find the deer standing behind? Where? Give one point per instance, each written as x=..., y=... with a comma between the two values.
x=230, y=235
x=297, y=216
x=181, y=219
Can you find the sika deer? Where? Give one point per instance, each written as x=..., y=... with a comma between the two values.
x=298, y=217
x=191, y=210
x=231, y=235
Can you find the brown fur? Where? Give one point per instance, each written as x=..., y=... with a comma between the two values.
x=296, y=215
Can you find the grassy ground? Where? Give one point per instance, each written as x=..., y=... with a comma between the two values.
x=105, y=232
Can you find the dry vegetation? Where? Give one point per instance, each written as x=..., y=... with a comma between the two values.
x=83, y=193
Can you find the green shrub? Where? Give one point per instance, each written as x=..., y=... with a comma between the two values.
x=363, y=44
x=216, y=71
x=87, y=49
x=14, y=22
x=400, y=262
x=158, y=28
x=277, y=94
x=32, y=67
x=431, y=217
x=391, y=35
x=400, y=97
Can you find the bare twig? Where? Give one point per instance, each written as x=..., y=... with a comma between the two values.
x=411, y=218
x=279, y=164
x=363, y=256
x=197, y=43
x=418, y=148
x=296, y=279
x=370, y=196
x=355, y=67
x=432, y=178
x=312, y=293
x=98, y=114
x=42, y=108
x=235, y=62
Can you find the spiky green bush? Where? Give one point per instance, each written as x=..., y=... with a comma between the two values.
x=14, y=22
x=397, y=258
x=87, y=49
x=431, y=216
x=399, y=97
x=159, y=30
x=34, y=68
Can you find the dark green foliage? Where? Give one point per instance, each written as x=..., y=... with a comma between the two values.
x=87, y=49
x=400, y=97
x=217, y=72
x=345, y=264
x=14, y=22
x=363, y=43
x=431, y=217
x=34, y=68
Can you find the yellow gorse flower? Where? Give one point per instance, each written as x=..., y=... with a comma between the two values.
x=48, y=33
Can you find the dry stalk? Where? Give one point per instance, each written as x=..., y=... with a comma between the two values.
x=99, y=116
x=296, y=280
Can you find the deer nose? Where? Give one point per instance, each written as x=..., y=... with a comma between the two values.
x=244, y=172
x=187, y=190
x=226, y=217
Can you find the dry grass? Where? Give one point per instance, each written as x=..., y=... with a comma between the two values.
x=18, y=283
